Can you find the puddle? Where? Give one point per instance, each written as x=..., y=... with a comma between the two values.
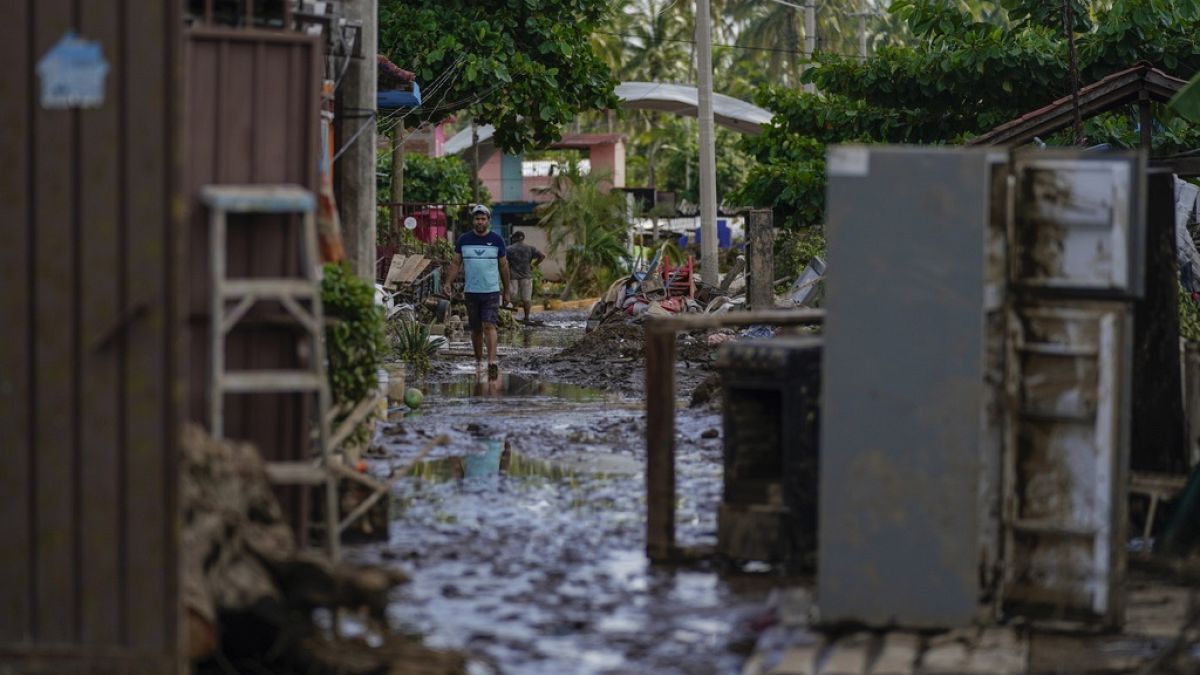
x=558, y=334
x=513, y=385
x=499, y=460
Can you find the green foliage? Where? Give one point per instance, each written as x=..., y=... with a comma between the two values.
x=1189, y=316
x=440, y=249
x=411, y=339
x=795, y=248
x=525, y=66
x=505, y=320
x=586, y=221
x=430, y=180
x=355, y=337
x=666, y=154
x=963, y=73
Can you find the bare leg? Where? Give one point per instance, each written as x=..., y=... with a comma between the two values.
x=528, y=308
x=490, y=331
x=477, y=343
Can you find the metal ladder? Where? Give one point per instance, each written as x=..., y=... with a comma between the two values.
x=292, y=293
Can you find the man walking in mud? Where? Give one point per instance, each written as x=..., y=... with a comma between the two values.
x=480, y=253
x=522, y=258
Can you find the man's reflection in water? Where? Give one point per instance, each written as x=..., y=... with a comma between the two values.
x=508, y=384
x=495, y=460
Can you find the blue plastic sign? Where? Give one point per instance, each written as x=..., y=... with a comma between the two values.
x=72, y=74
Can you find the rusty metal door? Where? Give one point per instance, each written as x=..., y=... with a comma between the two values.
x=89, y=365
x=1076, y=238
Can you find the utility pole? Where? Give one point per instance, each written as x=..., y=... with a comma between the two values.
x=709, y=273
x=810, y=39
x=862, y=29
x=475, y=159
x=355, y=169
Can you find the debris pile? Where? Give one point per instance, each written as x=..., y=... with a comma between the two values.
x=661, y=290
x=611, y=340
x=252, y=597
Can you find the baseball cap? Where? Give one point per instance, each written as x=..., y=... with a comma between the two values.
x=480, y=208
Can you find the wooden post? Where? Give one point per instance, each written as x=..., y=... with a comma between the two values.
x=660, y=442
x=397, y=200
x=1146, y=122
x=660, y=411
x=760, y=243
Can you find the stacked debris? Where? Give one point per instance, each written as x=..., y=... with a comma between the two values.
x=661, y=290
x=252, y=598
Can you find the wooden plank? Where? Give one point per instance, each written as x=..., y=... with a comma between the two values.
x=422, y=265
x=16, y=568
x=263, y=381
x=408, y=271
x=149, y=481
x=55, y=326
x=765, y=317
x=102, y=319
x=394, y=270
x=660, y=444
x=295, y=473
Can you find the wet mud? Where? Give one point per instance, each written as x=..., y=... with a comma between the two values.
x=524, y=536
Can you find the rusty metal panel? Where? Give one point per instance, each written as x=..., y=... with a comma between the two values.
x=17, y=342
x=903, y=386
x=54, y=357
x=89, y=407
x=1065, y=474
x=252, y=108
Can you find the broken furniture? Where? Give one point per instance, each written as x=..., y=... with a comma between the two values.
x=771, y=390
x=976, y=385
x=660, y=411
x=292, y=294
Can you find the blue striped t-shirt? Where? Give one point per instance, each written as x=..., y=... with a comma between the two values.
x=480, y=256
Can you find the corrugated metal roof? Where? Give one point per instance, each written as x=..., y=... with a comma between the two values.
x=1118, y=89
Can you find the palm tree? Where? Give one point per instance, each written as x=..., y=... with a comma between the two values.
x=587, y=221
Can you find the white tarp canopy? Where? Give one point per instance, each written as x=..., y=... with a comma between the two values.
x=676, y=99
x=681, y=99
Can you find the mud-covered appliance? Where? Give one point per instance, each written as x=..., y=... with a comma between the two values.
x=975, y=407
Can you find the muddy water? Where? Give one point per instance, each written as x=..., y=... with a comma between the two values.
x=525, y=537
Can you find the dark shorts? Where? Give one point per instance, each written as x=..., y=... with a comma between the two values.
x=482, y=308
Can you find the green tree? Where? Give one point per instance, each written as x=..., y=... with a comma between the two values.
x=587, y=222
x=525, y=66
x=432, y=180
x=963, y=73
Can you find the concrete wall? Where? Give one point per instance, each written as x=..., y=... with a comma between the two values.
x=552, y=267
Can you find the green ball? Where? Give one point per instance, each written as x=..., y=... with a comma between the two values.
x=413, y=397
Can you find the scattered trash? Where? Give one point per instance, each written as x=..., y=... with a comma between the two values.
x=809, y=287
x=758, y=332
x=720, y=338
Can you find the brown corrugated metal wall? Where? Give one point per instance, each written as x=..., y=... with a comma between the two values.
x=89, y=396
x=252, y=113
